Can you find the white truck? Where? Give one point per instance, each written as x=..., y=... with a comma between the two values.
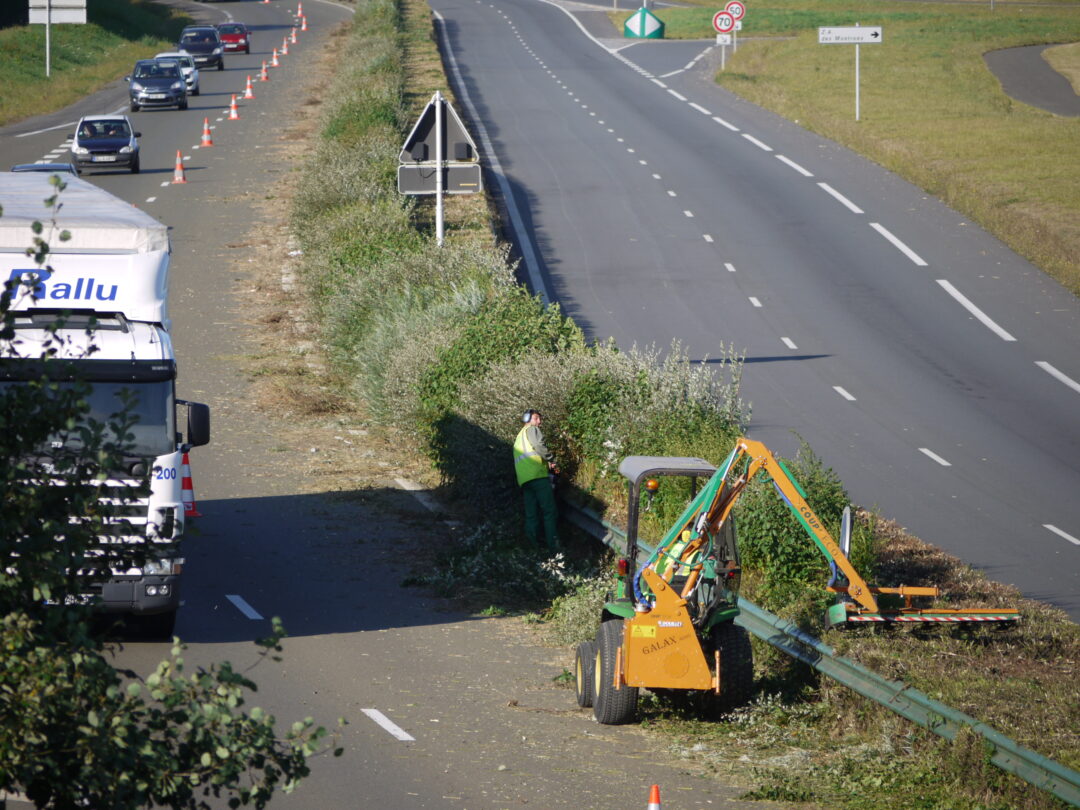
x=114, y=268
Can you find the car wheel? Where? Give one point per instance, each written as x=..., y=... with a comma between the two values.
x=135, y=166
x=134, y=107
x=195, y=91
x=611, y=706
x=247, y=50
x=182, y=105
x=221, y=65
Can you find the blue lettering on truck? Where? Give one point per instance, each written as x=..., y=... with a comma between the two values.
x=84, y=289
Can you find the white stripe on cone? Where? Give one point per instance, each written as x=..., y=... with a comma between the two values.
x=187, y=489
x=654, y=798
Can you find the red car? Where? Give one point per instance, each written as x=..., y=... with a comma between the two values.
x=235, y=36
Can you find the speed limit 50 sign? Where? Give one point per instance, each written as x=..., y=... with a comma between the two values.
x=736, y=8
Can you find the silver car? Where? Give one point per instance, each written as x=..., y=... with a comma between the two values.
x=187, y=67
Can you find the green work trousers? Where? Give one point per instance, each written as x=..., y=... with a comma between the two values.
x=540, y=507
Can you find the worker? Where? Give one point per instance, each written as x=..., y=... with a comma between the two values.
x=533, y=463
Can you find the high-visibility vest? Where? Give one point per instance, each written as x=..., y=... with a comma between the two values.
x=528, y=465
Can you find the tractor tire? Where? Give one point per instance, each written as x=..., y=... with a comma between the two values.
x=585, y=673
x=611, y=706
x=736, y=666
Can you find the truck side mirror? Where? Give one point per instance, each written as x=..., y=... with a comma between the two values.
x=198, y=424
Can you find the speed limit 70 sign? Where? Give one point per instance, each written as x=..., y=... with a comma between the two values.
x=736, y=9
x=723, y=22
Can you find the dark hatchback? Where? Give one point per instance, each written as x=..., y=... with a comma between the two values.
x=204, y=45
x=157, y=84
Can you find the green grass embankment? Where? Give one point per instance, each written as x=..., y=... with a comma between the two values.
x=84, y=58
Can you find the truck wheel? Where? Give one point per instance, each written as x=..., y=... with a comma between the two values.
x=736, y=665
x=158, y=626
x=611, y=706
x=585, y=673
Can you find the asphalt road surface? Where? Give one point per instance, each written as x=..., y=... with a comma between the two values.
x=932, y=368
x=444, y=711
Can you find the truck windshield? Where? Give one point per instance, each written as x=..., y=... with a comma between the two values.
x=151, y=405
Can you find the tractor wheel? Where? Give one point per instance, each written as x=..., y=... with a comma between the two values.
x=585, y=673
x=611, y=706
x=736, y=665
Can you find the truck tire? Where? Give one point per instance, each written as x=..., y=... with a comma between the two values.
x=158, y=626
x=585, y=673
x=611, y=706
x=736, y=665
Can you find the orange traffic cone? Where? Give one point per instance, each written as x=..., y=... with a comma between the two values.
x=248, y=92
x=274, y=61
x=178, y=173
x=299, y=9
x=264, y=76
x=206, y=139
x=187, y=489
x=654, y=798
x=234, y=114
x=266, y=1
x=285, y=47
x=292, y=35
x=303, y=23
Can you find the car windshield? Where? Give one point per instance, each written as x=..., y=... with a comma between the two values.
x=197, y=38
x=157, y=71
x=181, y=60
x=105, y=129
x=231, y=29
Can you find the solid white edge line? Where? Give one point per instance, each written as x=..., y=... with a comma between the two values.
x=242, y=605
x=842, y=392
x=840, y=198
x=700, y=109
x=757, y=143
x=931, y=454
x=386, y=723
x=659, y=83
x=789, y=343
x=896, y=243
x=795, y=166
x=1062, y=534
x=1053, y=372
x=532, y=264
x=724, y=123
x=981, y=316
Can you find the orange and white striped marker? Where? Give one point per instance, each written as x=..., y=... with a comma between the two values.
x=292, y=36
x=274, y=61
x=654, y=798
x=299, y=9
x=206, y=140
x=178, y=172
x=285, y=47
x=303, y=23
x=264, y=76
x=234, y=114
x=187, y=489
x=248, y=92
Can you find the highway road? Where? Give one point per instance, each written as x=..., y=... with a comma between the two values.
x=303, y=522
x=937, y=372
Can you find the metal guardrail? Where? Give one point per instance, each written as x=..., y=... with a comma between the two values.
x=1034, y=768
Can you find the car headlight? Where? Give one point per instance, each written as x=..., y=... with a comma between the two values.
x=136, y=87
x=217, y=51
x=177, y=85
x=80, y=150
x=242, y=41
x=124, y=150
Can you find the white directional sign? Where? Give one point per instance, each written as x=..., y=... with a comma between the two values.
x=736, y=9
x=643, y=24
x=854, y=35
x=57, y=11
x=723, y=22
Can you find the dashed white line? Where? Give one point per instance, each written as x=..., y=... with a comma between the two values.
x=795, y=166
x=631, y=151
x=981, y=316
x=836, y=195
x=1060, y=533
x=755, y=301
x=730, y=267
x=931, y=454
x=671, y=193
x=1053, y=372
x=643, y=162
x=842, y=392
x=757, y=143
x=388, y=725
x=707, y=238
x=724, y=123
x=677, y=95
x=700, y=109
x=243, y=606
x=689, y=214
x=896, y=243
x=165, y=184
x=656, y=176
x=150, y=199
x=789, y=343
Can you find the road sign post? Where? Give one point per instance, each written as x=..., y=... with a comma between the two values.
x=55, y=11
x=455, y=168
x=856, y=35
x=737, y=10
x=724, y=23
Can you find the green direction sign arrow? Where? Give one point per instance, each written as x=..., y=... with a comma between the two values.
x=643, y=24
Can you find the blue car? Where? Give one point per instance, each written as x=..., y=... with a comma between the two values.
x=156, y=83
x=105, y=142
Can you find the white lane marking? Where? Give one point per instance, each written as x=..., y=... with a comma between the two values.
x=47, y=129
x=896, y=243
x=165, y=184
x=1053, y=372
x=842, y=392
x=756, y=142
x=668, y=76
x=836, y=195
x=1062, y=534
x=150, y=199
x=789, y=343
x=689, y=214
x=724, y=123
x=677, y=95
x=656, y=177
x=643, y=162
x=671, y=193
x=621, y=140
x=388, y=725
x=631, y=151
x=700, y=109
x=981, y=316
x=689, y=64
x=934, y=456
x=52, y=156
x=418, y=492
x=755, y=301
x=795, y=166
x=243, y=606
x=707, y=238
x=730, y=267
